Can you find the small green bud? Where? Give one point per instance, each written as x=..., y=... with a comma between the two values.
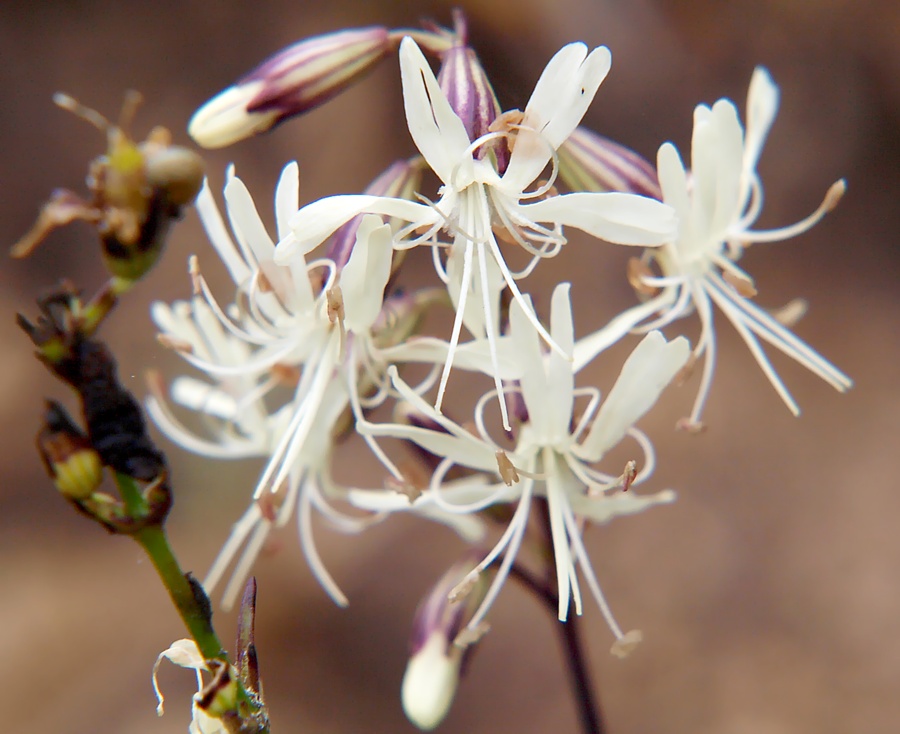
x=71, y=462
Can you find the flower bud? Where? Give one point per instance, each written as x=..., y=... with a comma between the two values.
x=466, y=86
x=70, y=459
x=590, y=162
x=439, y=645
x=294, y=80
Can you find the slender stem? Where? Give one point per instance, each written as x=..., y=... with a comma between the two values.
x=580, y=677
x=193, y=612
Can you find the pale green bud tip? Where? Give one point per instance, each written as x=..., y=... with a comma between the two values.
x=430, y=682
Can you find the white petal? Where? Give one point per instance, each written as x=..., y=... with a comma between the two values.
x=559, y=101
x=366, y=274
x=645, y=374
x=560, y=377
x=435, y=128
x=315, y=222
x=625, y=219
x=473, y=355
x=467, y=451
x=673, y=182
x=245, y=220
x=287, y=198
x=729, y=166
x=762, y=106
x=534, y=380
x=186, y=654
x=218, y=235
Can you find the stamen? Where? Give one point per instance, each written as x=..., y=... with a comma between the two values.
x=511, y=540
x=64, y=101
x=789, y=314
x=638, y=272
x=743, y=286
x=506, y=469
x=832, y=197
x=464, y=587
x=625, y=645
x=628, y=475
x=470, y=635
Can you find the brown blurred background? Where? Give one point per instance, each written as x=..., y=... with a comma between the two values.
x=769, y=595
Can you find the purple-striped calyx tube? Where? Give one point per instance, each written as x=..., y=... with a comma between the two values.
x=293, y=81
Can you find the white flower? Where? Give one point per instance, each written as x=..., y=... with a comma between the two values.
x=325, y=336
x=554, y=453
x=186, y=654
x=279, y=333
x=476, y=199
x=717, y=202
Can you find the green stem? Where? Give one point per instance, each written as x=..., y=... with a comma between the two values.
x=196, y=616
x=135, y=504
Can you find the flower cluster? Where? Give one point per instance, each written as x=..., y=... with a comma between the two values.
x=317, y=336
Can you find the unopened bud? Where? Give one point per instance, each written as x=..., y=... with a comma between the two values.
x=466, y=86
x=293, y=81
x=430, y=682
x=71, y=461
x=590, y=162
x=432, y=674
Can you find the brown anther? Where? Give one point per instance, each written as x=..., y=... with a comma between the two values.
x=270, y=503
x=463, y=588
x=407, y=489
x=637, y=272
x=685, y=373
x=468, y=636
x=743, y=286
x=689, y=426
x=790, y=313
x=285, y=374
x=625, y=645
x=628, y=475
x=194, y=273
x=507, y=123
x=265, y=285
x=174, y=343
x=507, y=470
x=335, y=300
